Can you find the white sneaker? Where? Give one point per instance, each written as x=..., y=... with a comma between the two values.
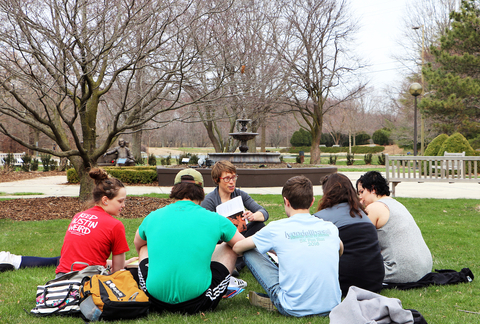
x=7, y=259
x=237, y=283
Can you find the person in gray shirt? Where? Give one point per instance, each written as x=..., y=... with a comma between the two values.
x=406, y=256
x=224, y=175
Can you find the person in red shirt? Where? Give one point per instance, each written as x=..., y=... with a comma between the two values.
x=94, y=234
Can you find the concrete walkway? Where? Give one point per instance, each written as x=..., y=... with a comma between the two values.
x=57, y=186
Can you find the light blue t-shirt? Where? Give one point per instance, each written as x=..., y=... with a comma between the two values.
x=308, y=255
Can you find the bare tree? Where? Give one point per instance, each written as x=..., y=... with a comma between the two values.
x=69, y=54
x=240, y=51
x=313, y=41
x=424, y=23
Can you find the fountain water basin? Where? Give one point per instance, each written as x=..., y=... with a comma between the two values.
x=244, y=157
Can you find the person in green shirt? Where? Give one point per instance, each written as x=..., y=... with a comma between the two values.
x=182, y=268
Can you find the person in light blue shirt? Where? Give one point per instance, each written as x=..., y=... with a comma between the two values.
x=308, y=250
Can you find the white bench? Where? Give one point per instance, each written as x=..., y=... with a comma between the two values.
x=449, y=168
x=454, y=165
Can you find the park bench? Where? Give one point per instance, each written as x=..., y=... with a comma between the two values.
x=451, y=168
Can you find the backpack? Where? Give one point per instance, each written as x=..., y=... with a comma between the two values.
x=113, y=297
x=61, y=296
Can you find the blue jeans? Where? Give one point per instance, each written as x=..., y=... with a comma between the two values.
x=266, y=273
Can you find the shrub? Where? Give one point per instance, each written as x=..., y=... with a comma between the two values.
x=52, y=165
x=381, y=137
x=355, y=149
x=298, y=159
x=72, y=176
x=27, y=161
x=300, y=148
x=456, y=143
x=301, y=138
x=475, y=142
x=434, y=146
x=193, y=159
x=281, y=158
x=45, y=161
x=140, y=161
x=34, y=165
x=362, y=138
x=333, y=159
x=368, y=158
x=350, y=159
x=381, y=159
x=152, y=159
x=167, y=160
x=133, y=174
x=9, y=162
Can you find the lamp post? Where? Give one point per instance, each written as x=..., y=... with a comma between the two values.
x=415, y=90
x=422, y=120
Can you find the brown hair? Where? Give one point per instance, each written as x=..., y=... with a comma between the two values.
x=186, y=190
x=104, y=186
x=222, y=166
x=299, y=192
x=337, y=188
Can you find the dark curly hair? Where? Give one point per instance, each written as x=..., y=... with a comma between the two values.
x=337, y=188
x=373, y=180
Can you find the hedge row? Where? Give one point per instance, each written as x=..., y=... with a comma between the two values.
x=140, y=174
x=355, y=149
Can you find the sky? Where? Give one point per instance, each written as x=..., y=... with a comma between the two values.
x=380, y=27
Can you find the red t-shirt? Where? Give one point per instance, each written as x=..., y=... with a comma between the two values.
x=91, y=237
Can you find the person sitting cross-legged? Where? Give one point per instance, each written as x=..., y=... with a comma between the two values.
x=182, y=269
x=308, y=250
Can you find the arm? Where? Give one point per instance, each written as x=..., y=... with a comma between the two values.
x=254, y=208
x=244, y=245
x=341, y=248
x=118, y=262
x=378, y=214
x=138, y=242
x=236, y=238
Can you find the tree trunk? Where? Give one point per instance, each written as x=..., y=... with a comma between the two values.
x=136, y=147
x=315, y=157
x=263, y=136
x=86, y=183
x=211, y=136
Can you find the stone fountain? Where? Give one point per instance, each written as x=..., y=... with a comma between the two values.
x=244, y=156
x=250, y=177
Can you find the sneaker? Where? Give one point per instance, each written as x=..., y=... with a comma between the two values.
x=9, y=260
x=6, y=267
x=237, y=283
x=261, y=300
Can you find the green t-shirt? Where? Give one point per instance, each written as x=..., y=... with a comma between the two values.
x=181, y=238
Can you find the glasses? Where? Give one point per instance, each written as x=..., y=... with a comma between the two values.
x=228, y=179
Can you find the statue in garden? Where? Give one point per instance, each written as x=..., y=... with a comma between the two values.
x=124, y=156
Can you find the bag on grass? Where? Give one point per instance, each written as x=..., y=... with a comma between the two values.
x=113, y=297
x=61, y=296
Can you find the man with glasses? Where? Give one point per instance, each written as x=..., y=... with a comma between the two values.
x=224, y=175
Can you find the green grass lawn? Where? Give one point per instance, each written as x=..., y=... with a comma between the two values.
x=451, y=229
